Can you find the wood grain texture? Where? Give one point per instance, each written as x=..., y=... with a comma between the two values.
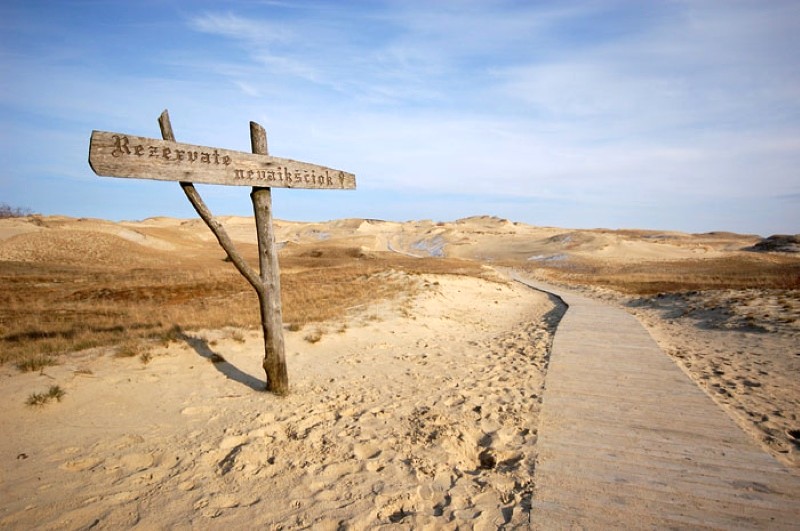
x=274, y=363
x=129, y=156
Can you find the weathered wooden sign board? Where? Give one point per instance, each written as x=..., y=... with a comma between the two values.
x=122, y=155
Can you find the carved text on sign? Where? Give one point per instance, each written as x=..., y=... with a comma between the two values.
x=283, y=175
x=122, y=147
x=121, y=155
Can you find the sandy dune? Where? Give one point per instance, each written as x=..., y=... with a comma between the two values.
x=482, y=238
x=419, y=410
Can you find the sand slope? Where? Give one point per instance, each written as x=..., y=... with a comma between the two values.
x=481, y=238
x=421, y=412
x=743, y=349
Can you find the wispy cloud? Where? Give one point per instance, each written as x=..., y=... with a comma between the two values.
x=598, y=107
x=253, y=32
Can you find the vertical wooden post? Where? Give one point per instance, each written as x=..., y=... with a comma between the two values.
x=270, y=297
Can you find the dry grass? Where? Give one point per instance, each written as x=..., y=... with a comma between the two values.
x=35, y=363
x=59, y=304
x=47, y=310
x=40, y=399
x=739, y=271
x=323, y=283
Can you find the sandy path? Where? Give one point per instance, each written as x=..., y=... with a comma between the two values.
x=423, y=412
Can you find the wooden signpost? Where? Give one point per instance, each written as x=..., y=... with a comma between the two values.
x=122, y=155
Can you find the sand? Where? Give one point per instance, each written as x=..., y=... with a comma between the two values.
x=420, y=412
x=417, y=413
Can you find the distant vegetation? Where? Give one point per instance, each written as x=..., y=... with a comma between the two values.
x=48, y=309
x=738, y=271
x=7, y=211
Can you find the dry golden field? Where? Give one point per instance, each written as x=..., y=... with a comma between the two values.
x=742, y=270
x=49, y=309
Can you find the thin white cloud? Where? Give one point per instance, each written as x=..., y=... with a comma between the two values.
x=248, y=88
x=254, y=32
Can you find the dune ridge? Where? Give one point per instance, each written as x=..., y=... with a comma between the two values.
x=415, y=399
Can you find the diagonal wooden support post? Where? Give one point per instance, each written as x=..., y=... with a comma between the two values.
x=205, y=214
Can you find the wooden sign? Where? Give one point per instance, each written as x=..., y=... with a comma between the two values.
x=121, y=155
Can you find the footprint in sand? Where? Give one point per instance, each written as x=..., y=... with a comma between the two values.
x=168, y=460
x=233, y=441
x=79, y=465
x=196, y=410
x=136, y=462
x=366, y=451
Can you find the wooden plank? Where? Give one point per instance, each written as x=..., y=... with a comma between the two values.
x=122, y=155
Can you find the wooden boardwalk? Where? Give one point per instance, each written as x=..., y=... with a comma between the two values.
x=627, y=440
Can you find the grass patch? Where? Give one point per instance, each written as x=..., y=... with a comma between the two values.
x=738, y=271
x=36, y=363
x=315, y=336
x=49, y=309
x=129, y=349
x=171, y=335
x=40, y=399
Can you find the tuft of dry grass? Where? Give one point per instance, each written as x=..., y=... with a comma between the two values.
x=129, y=349
x=40, y=399
x=36, y=363
x=315, y=336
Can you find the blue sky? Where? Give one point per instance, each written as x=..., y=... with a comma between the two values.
x=679, y=115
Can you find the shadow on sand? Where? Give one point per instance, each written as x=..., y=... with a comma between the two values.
x=229, y=370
